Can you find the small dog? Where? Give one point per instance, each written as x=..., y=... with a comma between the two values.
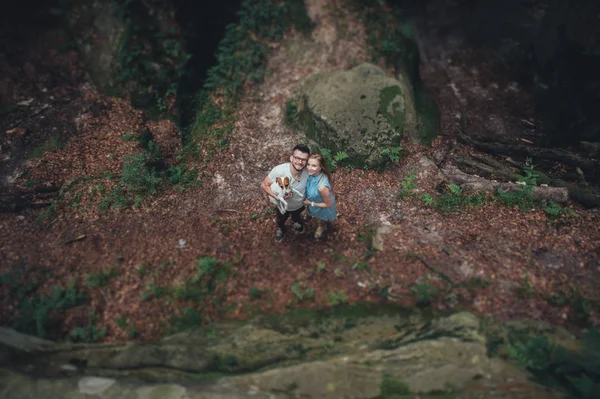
x=281, y=187
x=284, y=184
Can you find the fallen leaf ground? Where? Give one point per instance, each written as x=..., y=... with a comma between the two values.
x=503, y=262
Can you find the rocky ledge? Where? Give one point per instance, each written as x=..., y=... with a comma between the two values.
x=362, y=351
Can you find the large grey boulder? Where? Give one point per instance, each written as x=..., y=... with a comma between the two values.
x=361, y=112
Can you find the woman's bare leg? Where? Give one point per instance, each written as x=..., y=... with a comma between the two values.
x=320, y=228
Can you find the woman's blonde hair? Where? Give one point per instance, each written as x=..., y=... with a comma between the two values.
x=322, y=165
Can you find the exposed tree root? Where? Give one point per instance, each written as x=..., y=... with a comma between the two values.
x=590, y=166
x=36, y=198
x=472, y=183
x=582, y=193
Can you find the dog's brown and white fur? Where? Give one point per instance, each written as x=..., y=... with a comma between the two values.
x=281, y=187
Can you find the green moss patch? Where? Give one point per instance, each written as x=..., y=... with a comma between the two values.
x=391, y=107
x=393, y=387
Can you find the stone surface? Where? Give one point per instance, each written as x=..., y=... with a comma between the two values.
x=378, y=238
x=99, y=33
x=166, y=391
x=94, y=385
x=12, y=343
x=429, y=171
x=346, y=352
x=361, y=112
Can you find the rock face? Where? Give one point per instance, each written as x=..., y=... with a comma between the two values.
x=368, y=352
x=99, y=33
x=128, y=50
x=361, y=112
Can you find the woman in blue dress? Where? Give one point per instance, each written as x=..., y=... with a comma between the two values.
x=319, y=201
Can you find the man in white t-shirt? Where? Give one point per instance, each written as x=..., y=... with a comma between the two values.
x=295, y=170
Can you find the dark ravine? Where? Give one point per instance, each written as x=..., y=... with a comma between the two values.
x=203, y=27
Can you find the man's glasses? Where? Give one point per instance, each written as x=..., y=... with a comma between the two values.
x=300, y=159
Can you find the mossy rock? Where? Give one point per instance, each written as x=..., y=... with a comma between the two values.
x=364, y=113
x=99, y=34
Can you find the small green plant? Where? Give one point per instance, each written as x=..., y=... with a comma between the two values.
x=254, y=293
x=423, y=291
x=182, y=175
x=525, y=289
x=453, y=200
x=408, y=185
x=47, y=213
x=291, y=114
x=576, y=372
x=477, y=282
x=365, y=235
x=190, y=318
x=267, y=211
x=303, y=293
x=427, y=199
x=115, y=199
x=89, y=333
x=144, y=269
x=455, y=190
x=340, y=156
x=98, y=280
x=337, y=298
x=583, y=308
x=121, y=321
x=392, y=387
x=210, y=275
x=37, y=314
x=97, y=189
x=129, y=136
x=132, y=332
x=139, y=176
x=521, y=196
x=153, y=290
x=555, y=212
x=552, y=209
x=532, y=354
x=333, y=160
x=75, y=202
x=50, y=145
x=145, y=174
x=320, y=267
x=361, y=265
x=393, y=153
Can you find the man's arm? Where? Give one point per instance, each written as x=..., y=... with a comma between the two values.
x=266, y=187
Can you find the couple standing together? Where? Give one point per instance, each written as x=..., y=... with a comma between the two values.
x=307, y=174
